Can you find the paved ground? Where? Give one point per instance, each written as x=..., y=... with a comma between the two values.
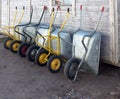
x=21, y=79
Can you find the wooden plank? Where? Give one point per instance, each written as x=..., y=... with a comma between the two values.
x=4, y=13
x=91, y=11
x=118, y=29
x=19, y=4
x=0, y=11
x=112, y=30
x=117, y=52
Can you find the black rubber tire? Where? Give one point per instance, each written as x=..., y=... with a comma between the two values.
x=5, y=43
x=42, y=51
x=69, y=65
x=17, y=46
x=31, y=52
x=23, y=49
x=58, y=62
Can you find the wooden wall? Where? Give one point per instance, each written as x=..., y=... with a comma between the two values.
x=4, y=12
x=19, y=4
x=118, y=28
x=0, y=11
x=91, y=13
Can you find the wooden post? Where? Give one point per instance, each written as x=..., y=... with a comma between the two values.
x=113, y=32
x=116, y=32
x=73, y=7
x=50, y=4
x=0, y=11
x=8, y=2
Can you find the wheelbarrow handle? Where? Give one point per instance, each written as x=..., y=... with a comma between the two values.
x=31, y=7
x=53, y=9
x=45, y=7
x=80, y=7
x=16, y=7
x=68, y=10
x=102, y=10
x=23, y=7
x=58, y=8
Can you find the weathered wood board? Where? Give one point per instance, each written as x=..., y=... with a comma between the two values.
x=109, y=25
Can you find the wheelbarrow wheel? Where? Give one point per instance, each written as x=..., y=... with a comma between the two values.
x=14, y=46
x=23, y=49
x=71, y=68
x=31, y=52
x=7, y=43
x=54, y=64
x=41, y=57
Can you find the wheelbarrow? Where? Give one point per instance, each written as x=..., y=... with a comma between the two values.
x=41, y=31
x=85, y=53
x=50, y=52
x=9, y=30
x=28, y=35
x=21, y=36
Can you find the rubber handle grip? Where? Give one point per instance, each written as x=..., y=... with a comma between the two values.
x=53, y=9
x=23, y=7
x=45, y=7
x=80, y=7
x=16, y=7
x=58, y=7
x=68, y=10
x=103, y=8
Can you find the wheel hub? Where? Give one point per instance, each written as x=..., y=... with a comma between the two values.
x=42, y=58
x=8, y=43
x=24, y=50
x=15, y=46
x=55, y=64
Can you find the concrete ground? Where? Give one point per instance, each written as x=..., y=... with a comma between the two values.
x=21, y=79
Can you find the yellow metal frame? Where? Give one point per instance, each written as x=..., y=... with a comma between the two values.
x=6, y=30
x=50, y=37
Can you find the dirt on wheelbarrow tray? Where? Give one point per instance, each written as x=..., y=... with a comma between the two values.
x=21, y=79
